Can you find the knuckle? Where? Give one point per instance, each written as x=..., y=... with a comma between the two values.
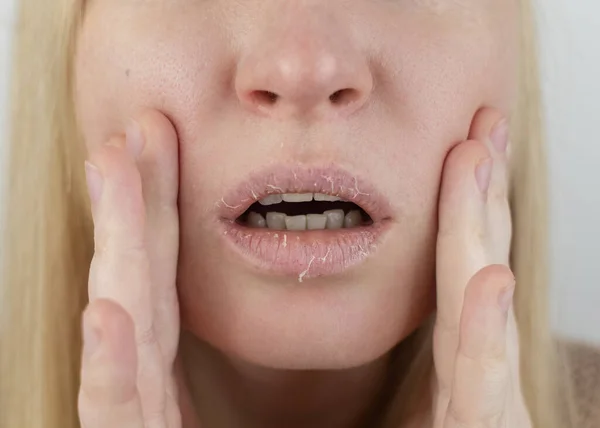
x=443, y=387
x=146, y=337
x=446, y=328
x=492, y=362
x=130, y=251
x=155, y=419
x=496, y=373
x=103, y=393
x=450, y=231
x=498, y=195
x=457, y=419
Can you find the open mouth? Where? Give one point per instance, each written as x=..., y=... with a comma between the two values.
x=304, y=211
x=305, y=222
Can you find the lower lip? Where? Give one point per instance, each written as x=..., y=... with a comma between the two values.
x=303, y=254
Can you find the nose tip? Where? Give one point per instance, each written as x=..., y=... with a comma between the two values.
x=298, y=81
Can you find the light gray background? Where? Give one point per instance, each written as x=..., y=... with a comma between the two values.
x=570, y=38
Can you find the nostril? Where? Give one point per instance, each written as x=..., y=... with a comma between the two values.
x=264, y=97
x=341, y=98
x=344, y=96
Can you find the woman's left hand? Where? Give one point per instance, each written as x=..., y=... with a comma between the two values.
x=476, y=344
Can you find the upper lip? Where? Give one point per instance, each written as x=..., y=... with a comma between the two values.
x=331, y=180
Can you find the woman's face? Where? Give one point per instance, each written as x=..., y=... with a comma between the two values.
x=360, y=99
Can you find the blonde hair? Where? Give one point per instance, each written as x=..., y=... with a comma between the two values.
x=48, y=245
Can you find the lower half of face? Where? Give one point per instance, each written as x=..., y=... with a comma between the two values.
x=288, y=110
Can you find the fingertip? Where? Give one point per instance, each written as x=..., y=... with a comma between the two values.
x=91, y=332
x=159, y=163
x=107, y=325
x=483, y=175
x=483, y=122
x=109, y=366
x=120, y=211
x=486, y=291
x=157, y=126
x=498, y=274
x=135, y=139
x=459, y=201
x=464, y=155
x=109, y=315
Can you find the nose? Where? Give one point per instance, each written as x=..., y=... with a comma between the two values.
x=307, y=69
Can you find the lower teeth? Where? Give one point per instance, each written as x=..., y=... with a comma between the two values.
x=332, y=219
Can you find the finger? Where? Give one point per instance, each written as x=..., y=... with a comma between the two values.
x=120, y=267
x=158, y=166
x=500, y=221
x=491, y=126
x=460, y=253
x=108, y=394
x=465, y=243
x=481, y=380
x=493, y=129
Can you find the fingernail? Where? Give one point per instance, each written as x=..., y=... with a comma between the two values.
x=91, y=339
x=135, y=139
x=483, y=174
x=506, y=297
x=95, y=182
x=499, y=136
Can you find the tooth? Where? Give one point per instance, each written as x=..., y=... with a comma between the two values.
x=297, y=222
x=256, y=220
x=324, y=197
x=271, y=200
x=276, y=221
x=352, y=219
x=316, y=221
x=335, y=219
x=297, y=197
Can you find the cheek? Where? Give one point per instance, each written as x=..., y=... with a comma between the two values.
x=145, y=60
x=444, y=75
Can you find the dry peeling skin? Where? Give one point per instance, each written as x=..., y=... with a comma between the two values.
x=303, y=273
x=306, y=254
x=348, y=187
x=272, y=189
x=303, y=254
x=361, y=255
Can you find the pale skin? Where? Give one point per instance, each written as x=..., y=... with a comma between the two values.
x=423, y=83
x=135, y=327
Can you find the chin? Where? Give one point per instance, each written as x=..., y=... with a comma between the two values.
x=334, y=321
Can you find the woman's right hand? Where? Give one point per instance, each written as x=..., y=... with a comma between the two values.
x=131, y=325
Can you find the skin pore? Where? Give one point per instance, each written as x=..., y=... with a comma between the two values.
x=263, y=348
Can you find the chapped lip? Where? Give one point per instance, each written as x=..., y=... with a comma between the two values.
x=310, y=253
x=331, y=180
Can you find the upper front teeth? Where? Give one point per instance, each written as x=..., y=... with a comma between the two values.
x=271, y=200
x=324, y=197
x=331, y=219
x=297, y=197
